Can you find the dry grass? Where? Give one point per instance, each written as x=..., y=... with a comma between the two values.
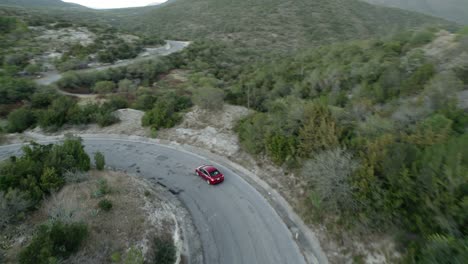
x=136, y=217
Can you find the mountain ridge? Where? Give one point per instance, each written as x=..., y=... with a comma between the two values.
x=454, y=10
x=40, y=4
x=276, y=24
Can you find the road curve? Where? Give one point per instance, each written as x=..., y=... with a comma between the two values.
x=236, y=223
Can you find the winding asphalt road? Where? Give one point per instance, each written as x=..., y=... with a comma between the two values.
x=235, y=222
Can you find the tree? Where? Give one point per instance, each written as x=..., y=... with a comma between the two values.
x=32, y=69
x=209, y=98
x=50, y=180
x=444, y=249
x=251, y=131
x=104, y=87
x=329, y=176
x=434, y=129
x=54, y=241
x=7, y=24
x=13, y=90
x=165, y=251
x=319, y=131
x=20, y=120
x=161, y=116
x=126, y=86
x=57, y=114
x=279, y=147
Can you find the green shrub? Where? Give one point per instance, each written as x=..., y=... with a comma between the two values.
x=40, y=169
x=116, y=257
x=163, y=115
x=53, y=242
x=104, y=87
x=421, y=38
x=209, y=98
x=99, y=160
x=444, y=249
x=20, y=120
x=105, y=205
x=43, y=99
x=164, y=251
x=319, y=131
x=118, y=102
x=103, y=189
x=13, y=90
x=57, y=114
x=134, y=256
x=50, y=180
x=105, y=118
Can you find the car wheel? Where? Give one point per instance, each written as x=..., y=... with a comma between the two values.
x=208, y=181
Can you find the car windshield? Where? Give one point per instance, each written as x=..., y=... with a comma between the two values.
x=214, y=173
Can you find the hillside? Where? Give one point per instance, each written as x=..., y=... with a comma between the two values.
x=278, y=24
x=455, y=10
x=39, y=3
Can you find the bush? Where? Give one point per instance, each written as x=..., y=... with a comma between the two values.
x=105, y=118
x=12, y=204
x=163, y=115
x=164, y=251
x=329, y=177
x=134, y=256
x=105, y=205
x=43, y=99
x=50, y=180
x=20, y=120
x=13, y=90
x=53, y=242
x=57, y=114
x=118, y=102
x=444, y=249
x=99, y=160
x=104, y=87
x=116, y=257
x=103, y=189
x=319, y=131
x=209, y=98
x=41, y=167
x=421, y=38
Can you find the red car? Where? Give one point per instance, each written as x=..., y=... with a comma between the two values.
x=210, y=174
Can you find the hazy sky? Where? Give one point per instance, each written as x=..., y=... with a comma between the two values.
x=114, y=3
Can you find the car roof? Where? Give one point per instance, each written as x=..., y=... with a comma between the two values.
x=209, y=168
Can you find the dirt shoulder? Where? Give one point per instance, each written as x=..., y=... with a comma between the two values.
x=141, y=213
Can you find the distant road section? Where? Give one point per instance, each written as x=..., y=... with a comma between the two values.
x=171, y=46
x=236, y=223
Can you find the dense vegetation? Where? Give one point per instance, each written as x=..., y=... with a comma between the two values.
x=371, y=127
x=375, y=133
x=26, y=180
x=455, y=10
x=24, y=103
x=54, y=242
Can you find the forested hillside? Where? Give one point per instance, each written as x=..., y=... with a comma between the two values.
x=366, y=114
x=455, y=10
x=283, y=25
x=375, y=134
